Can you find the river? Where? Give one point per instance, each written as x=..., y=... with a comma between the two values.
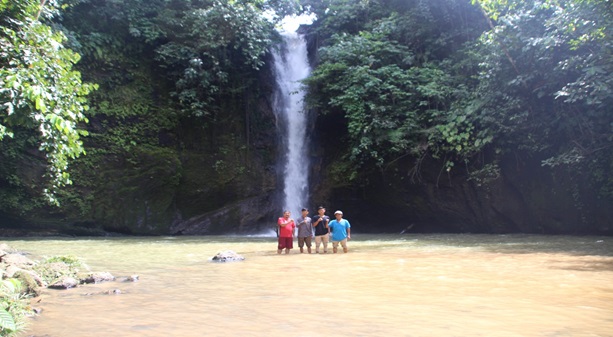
x=387, y=285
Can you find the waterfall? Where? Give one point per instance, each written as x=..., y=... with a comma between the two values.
x=291, y=66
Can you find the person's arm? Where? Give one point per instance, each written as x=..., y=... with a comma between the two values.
x=316, y=222
x=284, y=223
x=348, y=230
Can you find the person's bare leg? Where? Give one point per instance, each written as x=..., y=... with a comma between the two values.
x=278, y=251
x=301, y=250
x=286, y=250
x=345, y=249
x=309, y=250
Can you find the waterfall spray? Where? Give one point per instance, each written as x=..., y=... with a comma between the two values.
x=291, y=66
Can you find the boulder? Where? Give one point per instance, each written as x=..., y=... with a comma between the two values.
x=65, y=282
x=98, y=277
x=10, y=271
x=16, y=259
x=227, y=256
x=29, y=284
x=4, y=248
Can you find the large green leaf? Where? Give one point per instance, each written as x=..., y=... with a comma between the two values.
x=6, y=321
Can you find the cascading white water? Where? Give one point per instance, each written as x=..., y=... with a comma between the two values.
x=291, y=66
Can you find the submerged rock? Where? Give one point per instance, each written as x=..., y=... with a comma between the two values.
x=131, y=278
x=227, y=256
x=105, y=292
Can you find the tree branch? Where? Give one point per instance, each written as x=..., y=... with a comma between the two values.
x=42, y=5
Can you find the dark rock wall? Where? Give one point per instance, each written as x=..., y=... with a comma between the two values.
x=525, y=198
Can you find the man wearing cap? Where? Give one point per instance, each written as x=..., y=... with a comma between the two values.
x=305, y=231
x=341, y=231
x=320, y=222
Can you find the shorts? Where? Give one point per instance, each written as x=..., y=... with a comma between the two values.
x=325, y=238
x=342, y=242
x=301, y=241
x=286, y=243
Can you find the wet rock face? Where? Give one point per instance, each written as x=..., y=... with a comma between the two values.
x=227, y=256
x=238, y=217
x=522, y=198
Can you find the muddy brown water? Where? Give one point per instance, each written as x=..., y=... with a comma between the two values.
x=387, y=285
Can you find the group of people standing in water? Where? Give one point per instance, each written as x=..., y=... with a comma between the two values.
x=320, y=227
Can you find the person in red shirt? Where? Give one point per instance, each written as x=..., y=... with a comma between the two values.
x=286, y=232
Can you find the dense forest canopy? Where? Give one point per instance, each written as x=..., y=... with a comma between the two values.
x=180, y=123
x=469, y=83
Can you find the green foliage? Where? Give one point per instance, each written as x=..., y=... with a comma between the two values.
x=7, y=324
x=211, y=45
x=344, y=16
x=12, y=307
x=357, y=78
x=38, y=87
x=53, y=268
x=67, y=259
x=20, y=172
x=416, y=78
x=395, y=92
x=177, y=80
x=546, y=82
x=155, y=104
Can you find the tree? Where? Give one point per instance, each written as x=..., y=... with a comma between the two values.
x=39, y=88
x=212, y=50
x=390, y=71
x=546, y=82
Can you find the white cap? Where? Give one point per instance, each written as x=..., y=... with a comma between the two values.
x=338, y=212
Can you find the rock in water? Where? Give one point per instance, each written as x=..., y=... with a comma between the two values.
x=227, y=256
x=64, y=282
x=99, y=277
x=132, y=278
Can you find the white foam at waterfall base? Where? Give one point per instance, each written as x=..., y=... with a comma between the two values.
x=291, y=66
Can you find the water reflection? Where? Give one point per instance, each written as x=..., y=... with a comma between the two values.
x=388, y=285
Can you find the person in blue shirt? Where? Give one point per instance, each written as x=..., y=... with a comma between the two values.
x=341, y=231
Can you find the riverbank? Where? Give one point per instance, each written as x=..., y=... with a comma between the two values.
x=64, y=231
x=24, y=280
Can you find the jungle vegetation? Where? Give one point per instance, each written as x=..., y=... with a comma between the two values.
x=107, y=106
x=165, y=95
x=469, y=82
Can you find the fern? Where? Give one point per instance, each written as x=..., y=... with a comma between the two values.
x=6, y=321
